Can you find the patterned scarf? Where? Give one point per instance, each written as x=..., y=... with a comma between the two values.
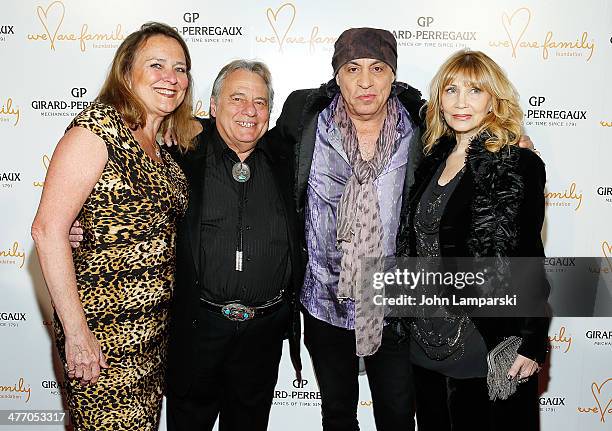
x=359, y=226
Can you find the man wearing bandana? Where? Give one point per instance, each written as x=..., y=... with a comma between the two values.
x=356, y=143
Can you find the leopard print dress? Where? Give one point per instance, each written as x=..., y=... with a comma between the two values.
x=125, y=277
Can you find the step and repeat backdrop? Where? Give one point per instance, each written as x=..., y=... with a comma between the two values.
x=55, y=55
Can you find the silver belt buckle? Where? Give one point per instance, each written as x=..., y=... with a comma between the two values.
x=238, y=312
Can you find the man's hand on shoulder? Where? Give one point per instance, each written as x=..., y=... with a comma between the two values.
x=525, y=142
x=169, y=138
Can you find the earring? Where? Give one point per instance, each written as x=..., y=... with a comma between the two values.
x=490, y=109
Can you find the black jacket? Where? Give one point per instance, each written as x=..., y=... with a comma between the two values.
x=184, y=324
x=497, y=209
x=297, y=127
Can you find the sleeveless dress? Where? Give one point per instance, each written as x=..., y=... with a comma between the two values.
x=125, y=277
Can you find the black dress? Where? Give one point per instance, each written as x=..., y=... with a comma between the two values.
x=450, y=345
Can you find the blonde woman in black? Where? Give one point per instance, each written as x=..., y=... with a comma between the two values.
x=476, y=193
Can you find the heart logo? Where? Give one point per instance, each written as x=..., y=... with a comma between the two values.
x=46, y=162
x=280, y=21
x=516, y=25
x=51, y=19
x=607, y=252
x=596, y=391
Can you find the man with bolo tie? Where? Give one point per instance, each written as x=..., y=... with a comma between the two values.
x=238, y=263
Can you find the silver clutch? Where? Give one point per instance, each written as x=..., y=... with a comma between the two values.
x=499, y=361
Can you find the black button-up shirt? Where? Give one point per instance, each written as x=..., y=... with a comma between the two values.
x=247, y=216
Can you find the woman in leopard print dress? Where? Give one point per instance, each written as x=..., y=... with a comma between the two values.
x=111, y=295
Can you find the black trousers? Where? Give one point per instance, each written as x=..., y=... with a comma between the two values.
x=445, y=404
x=235, y=377
x=336, y=366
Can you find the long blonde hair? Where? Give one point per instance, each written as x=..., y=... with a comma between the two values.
x=116, y=91
x=504, y=123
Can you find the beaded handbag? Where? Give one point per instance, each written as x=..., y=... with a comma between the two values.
x=499, y=361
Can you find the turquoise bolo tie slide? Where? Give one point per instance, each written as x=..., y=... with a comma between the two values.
x=241, y=172
x=238, y=312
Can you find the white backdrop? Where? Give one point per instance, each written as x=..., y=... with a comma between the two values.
x=558, y=53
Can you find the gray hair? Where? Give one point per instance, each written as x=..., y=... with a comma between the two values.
x=256, y=67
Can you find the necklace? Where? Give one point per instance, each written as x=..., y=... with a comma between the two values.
x=157, y=149
x=241, y=172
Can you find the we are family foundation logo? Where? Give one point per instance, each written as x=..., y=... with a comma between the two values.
x=570, y=197
x=560, y=340
x=601, y=406
x=199, y=111
x=19, y=390
x=13, y=255
x=55, y=31
x=45, y=163
x=603, y=266
x=520, y=36
x=281, y=22
x=9, y=111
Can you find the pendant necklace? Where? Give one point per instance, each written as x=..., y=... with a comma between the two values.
x=241, y=172
x=157, y=149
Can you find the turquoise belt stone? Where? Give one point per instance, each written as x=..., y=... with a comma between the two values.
x=238, y=312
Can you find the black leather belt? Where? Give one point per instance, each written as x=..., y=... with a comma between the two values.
x=239, y=312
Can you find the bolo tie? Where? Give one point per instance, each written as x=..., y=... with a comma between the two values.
x=241, y=173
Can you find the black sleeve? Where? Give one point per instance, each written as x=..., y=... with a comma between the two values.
x=531, y=216
x=533, y=330
x=288, y=124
